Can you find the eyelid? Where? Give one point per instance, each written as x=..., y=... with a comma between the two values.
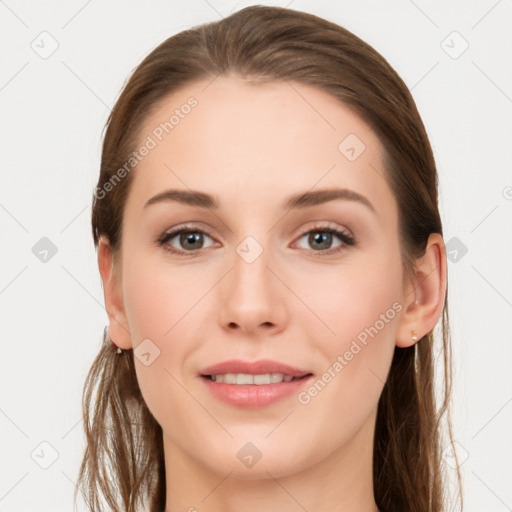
x=321, y=225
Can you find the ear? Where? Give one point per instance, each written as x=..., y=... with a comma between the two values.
x=119, y=330
x=424, y=297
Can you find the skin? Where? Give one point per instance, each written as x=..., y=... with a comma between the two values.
x=252, y=146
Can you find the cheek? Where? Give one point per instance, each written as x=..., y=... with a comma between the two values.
x=363, y=315
x=357, y=311
x=159, y=298
x=160, y=303
x=150, y=303
x=156, y=302
x=350, y=298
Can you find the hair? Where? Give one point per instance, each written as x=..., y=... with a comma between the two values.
x=124, y=448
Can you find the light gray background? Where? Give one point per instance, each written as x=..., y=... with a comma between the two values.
x=53, y=112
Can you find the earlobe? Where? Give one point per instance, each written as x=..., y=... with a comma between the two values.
x=112, y=289
x=424, y=299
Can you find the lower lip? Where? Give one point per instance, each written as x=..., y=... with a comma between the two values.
x=254, y=396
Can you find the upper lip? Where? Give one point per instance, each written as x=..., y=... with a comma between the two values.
x=260, y=367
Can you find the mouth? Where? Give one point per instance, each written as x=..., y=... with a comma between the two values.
x=253, y=379
x=254, y=384
x=261, y=372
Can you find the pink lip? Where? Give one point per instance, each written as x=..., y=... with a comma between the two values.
x=253, y=368
x=251, y=395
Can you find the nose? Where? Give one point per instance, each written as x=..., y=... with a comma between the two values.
x=252, y=297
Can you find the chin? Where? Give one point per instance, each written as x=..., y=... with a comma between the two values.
x=262, y=470
x=248, y=462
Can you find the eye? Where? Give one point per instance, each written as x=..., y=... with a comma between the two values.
x=190, y=240
x=322, y=238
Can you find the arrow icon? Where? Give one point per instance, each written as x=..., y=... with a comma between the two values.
x=454, y=45
x=147, y=352
x=44, y=455
x=249, y=253
x=455, y=249
x=44, y=250
x=249, y=455
x=45, y=45
x=351, y=147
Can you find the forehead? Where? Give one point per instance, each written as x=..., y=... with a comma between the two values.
x=230, y=137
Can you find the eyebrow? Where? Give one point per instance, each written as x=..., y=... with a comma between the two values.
x=300, y=200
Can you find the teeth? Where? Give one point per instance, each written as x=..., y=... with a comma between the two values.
x=245, y=378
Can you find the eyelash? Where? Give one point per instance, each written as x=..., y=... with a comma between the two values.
x=346, y=239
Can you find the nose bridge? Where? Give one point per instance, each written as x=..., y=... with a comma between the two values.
x=251, y=295
x=251, y=277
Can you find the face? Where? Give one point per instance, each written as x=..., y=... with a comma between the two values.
x=316, y=286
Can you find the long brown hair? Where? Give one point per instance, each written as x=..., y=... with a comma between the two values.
x=123, y=463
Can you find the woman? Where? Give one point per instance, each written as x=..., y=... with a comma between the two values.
x=271, y=251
